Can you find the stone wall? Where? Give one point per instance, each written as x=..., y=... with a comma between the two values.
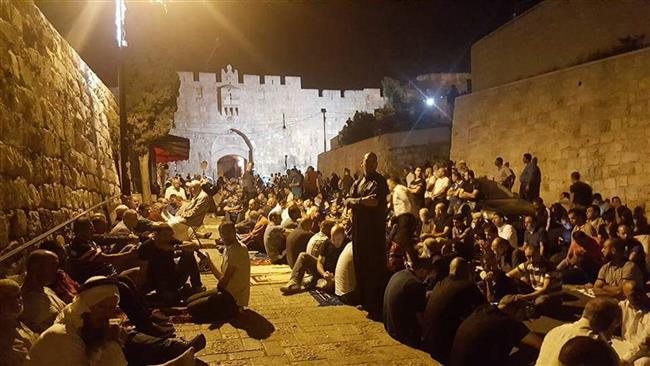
x=553, y=35
x=55, y=117
x=278, y=116
x=395, y=151
x=593, y=118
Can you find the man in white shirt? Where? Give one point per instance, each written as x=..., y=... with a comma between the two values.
x=502, y=173
x=635, y=326
x=41, y=305
x=405, y=213
x=506, y=231
x=345, y=280
x=234, y=275
x=176, y=189
x=600, y=319
x=440, y=186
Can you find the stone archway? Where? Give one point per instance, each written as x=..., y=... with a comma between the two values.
x=231, y=166
x=247, y=141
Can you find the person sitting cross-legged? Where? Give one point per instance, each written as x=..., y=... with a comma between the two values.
x=233, y=290
x=536, y=280
x=320, y=267
x=83, y=335
x=405, y=300
x=163, y=273
x=617, y=270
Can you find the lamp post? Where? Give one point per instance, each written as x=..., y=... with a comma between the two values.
x=323, y=110
x=120, y=12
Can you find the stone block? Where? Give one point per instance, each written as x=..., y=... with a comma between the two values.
x=34, y=226
x=18, y=225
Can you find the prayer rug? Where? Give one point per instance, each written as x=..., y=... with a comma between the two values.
x=270, y=274
x=325, y=299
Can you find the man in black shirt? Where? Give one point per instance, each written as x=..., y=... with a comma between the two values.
x=368, y=203
x=163, y=274
x=297, y=240
x=404, y=301
x=451, y=301
x=488, y=335
x=581, y=193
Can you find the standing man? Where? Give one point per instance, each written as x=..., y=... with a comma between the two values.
x=581, y=193
x=368, y=202
x=525, y=177
x=503, y=173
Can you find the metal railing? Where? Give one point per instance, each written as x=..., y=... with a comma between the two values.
x=44, y=235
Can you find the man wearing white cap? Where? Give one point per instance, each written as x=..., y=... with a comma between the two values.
x=191, y=215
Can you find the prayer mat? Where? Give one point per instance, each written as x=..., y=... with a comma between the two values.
x=259, y=259
x=325, y=299
x=270, y=274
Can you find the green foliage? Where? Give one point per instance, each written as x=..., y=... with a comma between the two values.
x=395, y=93
x=151, y=92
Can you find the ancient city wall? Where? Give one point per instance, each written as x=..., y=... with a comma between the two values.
x=553, y=35
x=278, y=117
x=55, y=116
x=394, y=150
x=593, y=118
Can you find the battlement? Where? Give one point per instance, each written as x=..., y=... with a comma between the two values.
x=229, y=75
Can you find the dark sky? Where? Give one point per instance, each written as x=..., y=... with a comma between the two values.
x=342, y=44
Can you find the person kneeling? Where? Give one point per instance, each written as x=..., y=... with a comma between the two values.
x=321, y=268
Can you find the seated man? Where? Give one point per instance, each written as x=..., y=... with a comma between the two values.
x=439, y=231
x=163, y=273
x=583, y=260
x=274, y=239
x=233, y=291
x=321, y=267
x=191, y=215
x=88, y=315
x=318, y=241
x=633, y=247
x=452, y=300
x=537, y=281
x=16, y=339
x=255, y=239
x=635, y=325
x=293, y=215
x=41, y=305
x=87, y=258
x=489, y=334
x=405, y=300
x=617, y=270
x=345, y=281
x=600, y=318
x=297, y=240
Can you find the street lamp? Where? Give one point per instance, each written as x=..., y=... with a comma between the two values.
x=430, y=102
x=120, y=37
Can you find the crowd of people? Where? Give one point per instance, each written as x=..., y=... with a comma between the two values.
x=418, y=252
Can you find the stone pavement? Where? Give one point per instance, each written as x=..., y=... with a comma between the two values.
x=294, y=330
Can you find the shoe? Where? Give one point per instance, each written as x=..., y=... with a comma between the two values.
x=290, y=289
x=198, y=343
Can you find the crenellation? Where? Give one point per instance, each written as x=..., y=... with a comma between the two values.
x=280, y=116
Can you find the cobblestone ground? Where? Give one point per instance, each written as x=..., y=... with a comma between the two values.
x=301, y=332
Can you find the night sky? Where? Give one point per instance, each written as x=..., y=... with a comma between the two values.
x=332, y=44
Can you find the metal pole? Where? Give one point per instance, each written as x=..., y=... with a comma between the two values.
x=323, y=110
x=124, y=153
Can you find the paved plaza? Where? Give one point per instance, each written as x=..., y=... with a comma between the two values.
x=295, y=330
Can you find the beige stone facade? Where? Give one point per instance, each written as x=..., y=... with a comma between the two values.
x=394, y=150
x=593, y=118
x=554, y=35
x=55, y=122
x=277, y=115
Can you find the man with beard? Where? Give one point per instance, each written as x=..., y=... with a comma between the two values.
x=368, y=202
